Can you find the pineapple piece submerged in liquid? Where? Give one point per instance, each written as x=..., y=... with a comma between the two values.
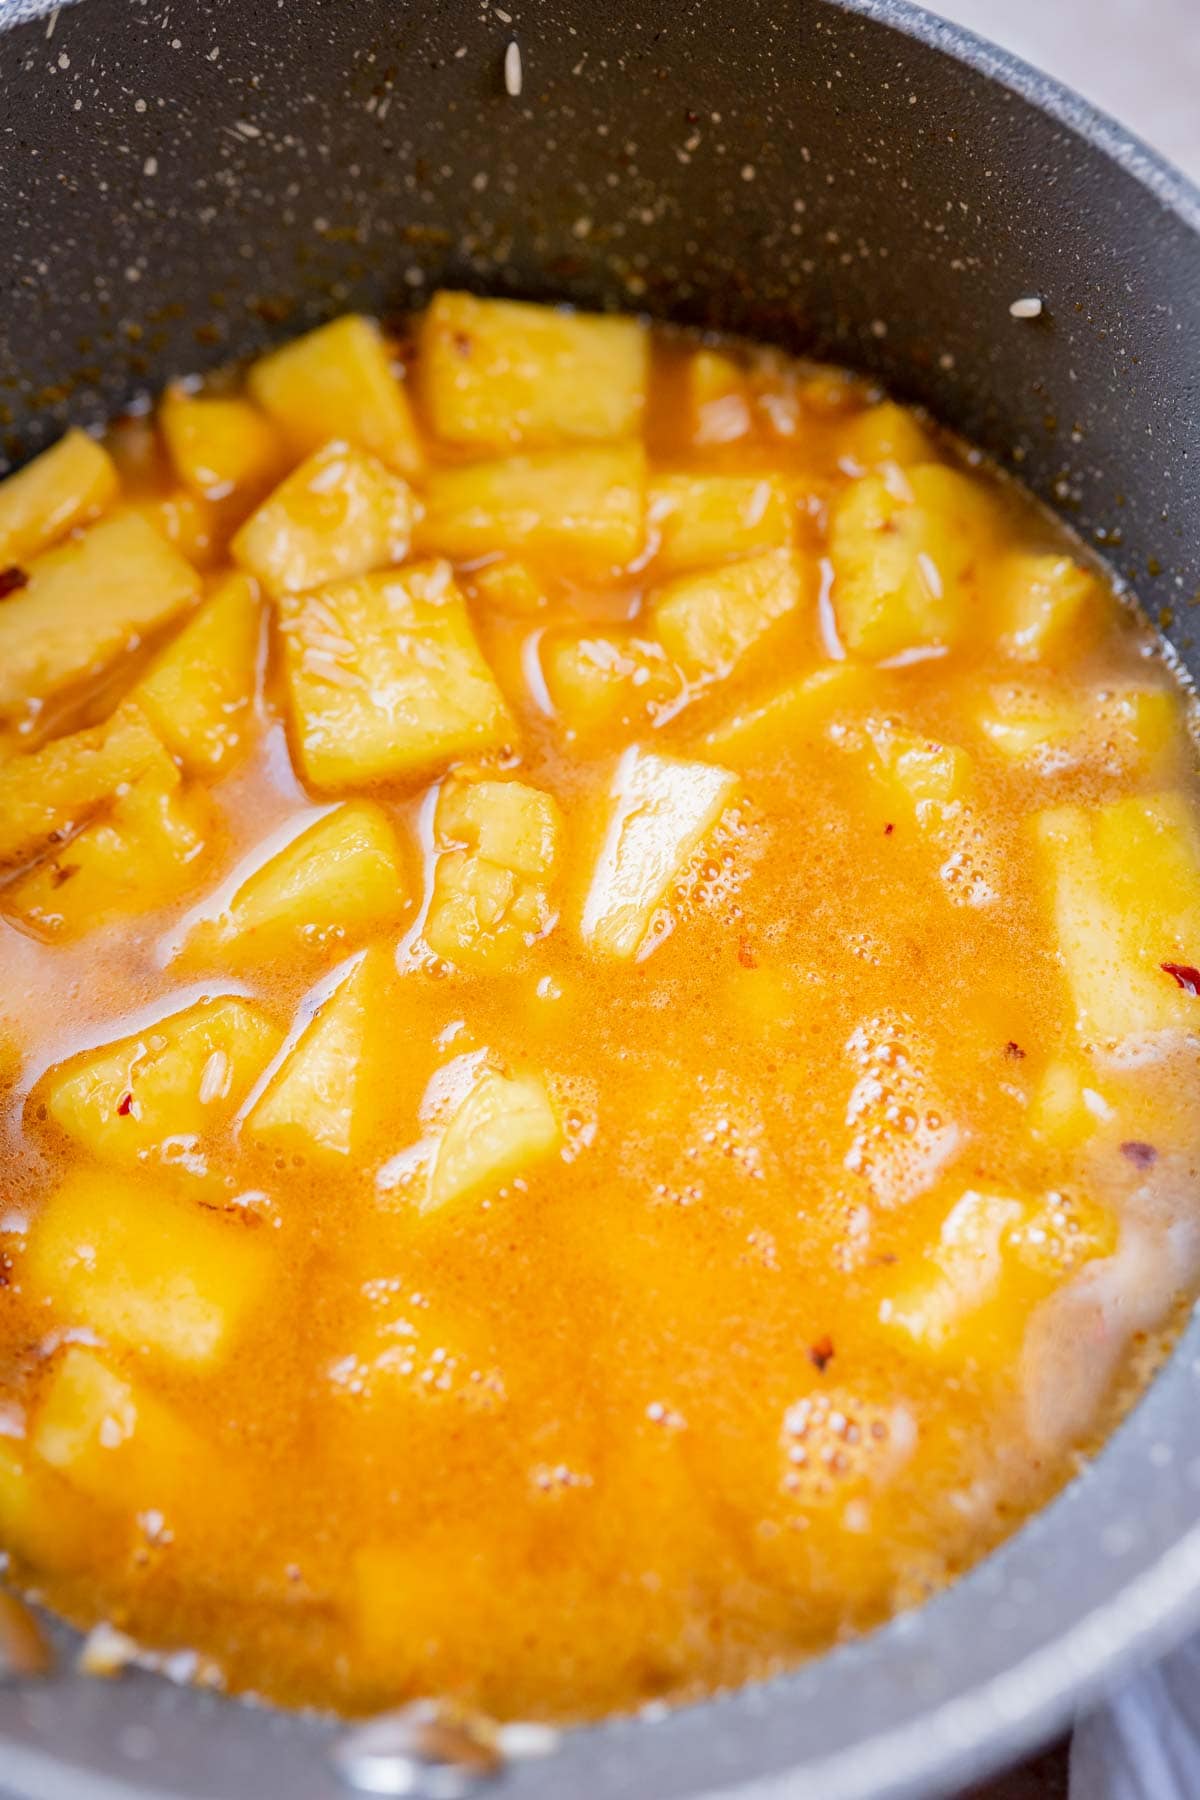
x=499, y=844
x=386, y=679
x=660, y=810
x=144, y=1269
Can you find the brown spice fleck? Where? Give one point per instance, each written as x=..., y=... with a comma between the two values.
x=821, y=1353
x=1142, y=1156
x=1014, y=1052
x=888, y=829
x=62, y=872
x=12, y=580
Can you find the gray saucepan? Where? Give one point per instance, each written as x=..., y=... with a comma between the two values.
x=184, y=183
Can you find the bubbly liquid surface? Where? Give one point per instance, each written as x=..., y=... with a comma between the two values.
x=857, y=1228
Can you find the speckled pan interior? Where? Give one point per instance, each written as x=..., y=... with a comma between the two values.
x=184, y=182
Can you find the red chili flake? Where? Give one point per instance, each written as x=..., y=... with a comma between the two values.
x=12, y=580
x=821, y=1353
x=1184, y=976
x=125, y=1106
x=746, y=955
x=1014, y=1051
x=888, y=830
x=1140, y=1155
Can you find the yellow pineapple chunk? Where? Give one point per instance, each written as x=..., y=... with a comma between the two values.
x=660, y=811
x=499, y=844
x=196, y=527
x=795, y=712
x=87, y=604
x=199, y=693
x=66, y=486
x=1042, y=601
x=600, y=678
x=496, y=373
x=920, y=774
x=219, y=446
x=703, y=519
x=147, y=850
x=341, y=880
x=718, y=400
x=907, y=553
x=995, y=1258
x=1126, y=730
x=119, y=1445
x=338, y=382
x=327, y=1098
x=158, y=1096
x=1065, y=1107
x=886, y=433
x=505, y=1125
x=144, y=1269
x=48, y=793
x=340, y=514
x=386, y=679
x=41, y=1520
x=511, y=586
x=584, y=508
x=1123, y=881
x=708, y=622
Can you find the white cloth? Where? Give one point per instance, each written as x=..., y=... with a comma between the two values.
x=1144, y=1744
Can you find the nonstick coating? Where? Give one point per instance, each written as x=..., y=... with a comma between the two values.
x=180, y=184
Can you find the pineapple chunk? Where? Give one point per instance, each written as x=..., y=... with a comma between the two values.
x=219, y=447
x=506, y=1124
x=499, y=844
x=602, y=678
x=512, y=587
x=157, y=1096
x=66, y=486
x=87, y=604
x=338, y=382
x=145, y=852
x=921, y=775
x=718, y=400
x=907, y=554
x=327, y=1098
x=199, y=693
x=704, y=519
x=1064, y=1108
x=994, y=1259
x=1126, y=730
x=886, y=433
x=41, y=1520
x=340, y=514
x=496, y=373
x=584, y=508
x=1124, y=884
x=660, y=811
x=196, y=527
x=118, y=1444
x=1041, y=601
x=48, y=793
x=143, y=1269
x=793, y=713
x=708, y=622
x=386, y=680
x=342, y=879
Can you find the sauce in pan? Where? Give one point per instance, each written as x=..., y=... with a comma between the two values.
x=598, y=999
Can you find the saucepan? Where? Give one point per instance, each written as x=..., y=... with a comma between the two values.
x=853, y=179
